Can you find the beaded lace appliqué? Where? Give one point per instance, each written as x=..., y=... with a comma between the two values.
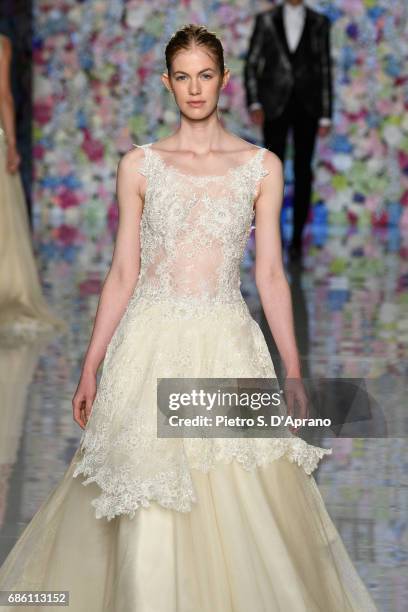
x=186, y=318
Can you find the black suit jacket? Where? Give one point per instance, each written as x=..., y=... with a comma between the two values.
x=270, y=75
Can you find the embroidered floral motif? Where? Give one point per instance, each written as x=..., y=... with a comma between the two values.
x=186, y=318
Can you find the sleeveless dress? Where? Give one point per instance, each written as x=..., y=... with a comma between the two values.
x=24, y=313
x=148, y=524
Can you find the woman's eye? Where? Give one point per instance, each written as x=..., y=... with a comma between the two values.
x=182, y=77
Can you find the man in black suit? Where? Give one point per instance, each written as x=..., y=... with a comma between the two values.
x=288, y=83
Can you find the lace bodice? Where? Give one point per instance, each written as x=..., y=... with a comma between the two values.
x=194, y=230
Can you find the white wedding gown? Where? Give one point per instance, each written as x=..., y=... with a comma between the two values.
x=24, y=313
x=146, y=524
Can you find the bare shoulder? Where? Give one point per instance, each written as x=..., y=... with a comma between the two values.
x=130, y=164
x=272, y=163
x=129, y=170
x=131, y=159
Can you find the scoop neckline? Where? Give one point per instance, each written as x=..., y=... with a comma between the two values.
x=202, y=176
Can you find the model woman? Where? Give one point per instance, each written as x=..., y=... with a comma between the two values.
x=23, y=310
x=193, y=524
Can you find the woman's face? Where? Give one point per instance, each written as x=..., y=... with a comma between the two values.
x=195, y=81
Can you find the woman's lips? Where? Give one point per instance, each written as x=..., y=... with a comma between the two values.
x=196, y=103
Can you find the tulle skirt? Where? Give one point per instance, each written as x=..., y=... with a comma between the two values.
x=258, y=541
x=24, y=313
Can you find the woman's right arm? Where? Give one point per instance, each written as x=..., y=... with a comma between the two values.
x=119, y=283
x=7, y=105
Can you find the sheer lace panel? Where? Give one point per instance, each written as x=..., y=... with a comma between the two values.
x=194, y=229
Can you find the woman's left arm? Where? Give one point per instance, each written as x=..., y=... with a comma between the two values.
x=271, y=282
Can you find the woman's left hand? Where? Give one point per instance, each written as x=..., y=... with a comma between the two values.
x=296, y=400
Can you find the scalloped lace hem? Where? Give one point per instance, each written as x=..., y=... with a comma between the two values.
x=174, y=489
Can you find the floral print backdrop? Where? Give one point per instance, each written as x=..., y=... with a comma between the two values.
x=97, y=66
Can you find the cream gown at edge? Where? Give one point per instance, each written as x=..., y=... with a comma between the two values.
x=148, y=524
x=24, y=312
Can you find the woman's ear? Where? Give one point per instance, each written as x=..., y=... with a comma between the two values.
x=166, y=81
x=226, y=77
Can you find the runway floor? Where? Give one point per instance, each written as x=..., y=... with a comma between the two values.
x=350, y=301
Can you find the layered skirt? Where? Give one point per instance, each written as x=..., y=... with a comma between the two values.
x=255, y=540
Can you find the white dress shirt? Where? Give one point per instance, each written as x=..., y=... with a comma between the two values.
x=293, y=21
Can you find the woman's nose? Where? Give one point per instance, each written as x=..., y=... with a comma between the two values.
x=194, y=87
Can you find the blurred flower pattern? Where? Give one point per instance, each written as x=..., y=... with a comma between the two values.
x=98, y=90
